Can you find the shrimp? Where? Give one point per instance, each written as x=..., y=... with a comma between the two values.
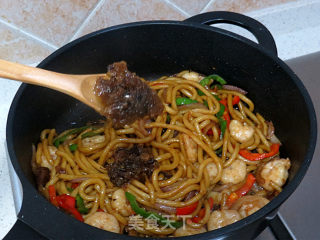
x=212, y=171
x=190, y=147
x=104, y=221
x=248, y=205
x=119, y=203
x=240, y=131
x=221, y=218
x=193, y=76
x=187, y=231
x=90, y=141
x=274, y=171
x=52, y=152
x=235, y=173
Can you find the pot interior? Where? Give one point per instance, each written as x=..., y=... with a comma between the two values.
x=164, y=48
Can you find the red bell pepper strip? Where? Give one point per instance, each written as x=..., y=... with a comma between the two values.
x=211, y=203
x=274, y=149
x=236, y=100
x=226, y=115
x=187, y=209
x=224, y=102
x=76, y=214
x=75, y=185
x=241, y=191
x=100, y=210
x=52, y=195
x=68, y=203
x=199, y=217
x=202, y=212
x=210, y=132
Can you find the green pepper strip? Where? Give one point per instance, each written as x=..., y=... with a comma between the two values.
x=222, y=122
x=204, y=82
x=219, y=150
x=89, y=134
x=80, y=205
x=221, y=111
x=183, y=101
x=219, y=86
x=216, y=97
x=61, y=139
x=168, y=119
x=73, y=147
x=217, y=78
x=206, y=103
x=207, y=81
x=161, y=220
x=223, y=127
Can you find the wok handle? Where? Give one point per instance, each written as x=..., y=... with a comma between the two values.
x=261, y=33
x=279, y=228
x=20, y=230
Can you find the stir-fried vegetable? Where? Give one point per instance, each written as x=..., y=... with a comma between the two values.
x=222, y=121
x=223, y=115
x=207, y=81
x=68, y=203
x=75, y=185
x=183, y=101
x=168, y=119
x=80, y=205
x=202, y=212
x=187, y=209
x=89, y=134
x=64, y=201
x=242, y=190
x=235, y=100
x=226, y=115
x=219, y=151
x=52, y=195
x=161, y=220
x=274, y=149
x=223, y=127
x=205, y=103
x=62, y=138
x=73, y=147
x=221, y=111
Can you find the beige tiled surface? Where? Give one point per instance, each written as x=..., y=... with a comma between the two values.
x=113, y=12
x=31, y=29
x=51, y=20
x=191, y=7
x=242, y=6
x=16, y=46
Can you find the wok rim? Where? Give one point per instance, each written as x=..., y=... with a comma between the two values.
x=262, y=213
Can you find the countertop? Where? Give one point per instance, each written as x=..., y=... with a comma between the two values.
x=295, y=27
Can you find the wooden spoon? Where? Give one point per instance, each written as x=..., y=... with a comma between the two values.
x=77, y=86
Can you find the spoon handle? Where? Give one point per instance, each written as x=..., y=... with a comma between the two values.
x=61, y=82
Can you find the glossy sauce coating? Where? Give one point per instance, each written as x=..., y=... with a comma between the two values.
x=126, y=98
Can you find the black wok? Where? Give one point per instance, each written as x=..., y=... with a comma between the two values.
x=153, y=49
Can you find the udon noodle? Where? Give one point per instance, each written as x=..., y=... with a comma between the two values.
x=217, y=161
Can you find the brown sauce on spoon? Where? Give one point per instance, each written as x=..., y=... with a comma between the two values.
x=125, y=97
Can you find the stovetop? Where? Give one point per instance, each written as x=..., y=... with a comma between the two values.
x=300, y=212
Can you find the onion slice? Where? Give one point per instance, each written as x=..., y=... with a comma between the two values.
x=164, y=208
x=234, y=88
x=270, y=131
x=192, y=106
x=78, y=180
